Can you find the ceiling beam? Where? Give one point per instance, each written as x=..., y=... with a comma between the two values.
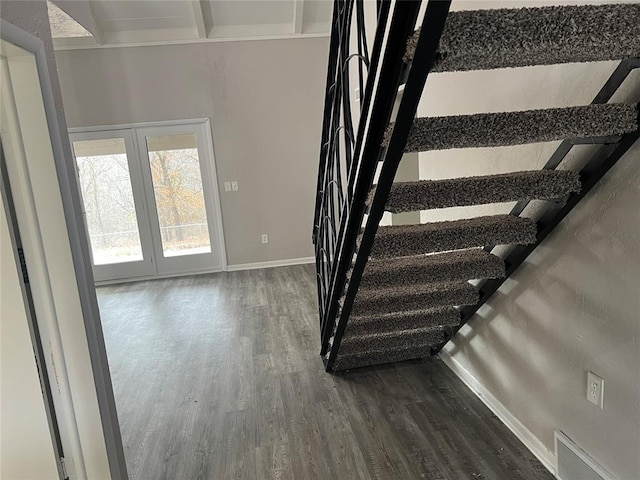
x=298, y=12
x=98, y=33
x=198, y=18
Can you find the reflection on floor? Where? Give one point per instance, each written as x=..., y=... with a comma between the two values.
x=218, y=377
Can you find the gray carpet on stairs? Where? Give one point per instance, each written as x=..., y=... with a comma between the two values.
x=413, y=297
x=454, y=192
x=485, y=39
x=517, y=128
x=458, y=265
x=378, y=357
x=417, y=337
x=407, y=240
x=442, y=316
x=403, y=303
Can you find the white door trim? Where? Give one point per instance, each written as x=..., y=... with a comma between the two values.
x=188, y=263
x=217, y=206
x=92, y=342
x=124, y=270
x=35, y=258
x=124, y=126
x=202, y=127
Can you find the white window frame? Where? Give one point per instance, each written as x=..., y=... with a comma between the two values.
x=133, y=269
x=141, y=180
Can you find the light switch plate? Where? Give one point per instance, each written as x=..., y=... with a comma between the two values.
x=234, y=186
x=227, y=186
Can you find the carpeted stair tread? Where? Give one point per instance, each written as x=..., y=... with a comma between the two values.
x=518, y=128
x=417, y=337
x=378, y=357
x=442, y=316
x=458, y=265
x=413, y=297
x=408, y=240
x=486, y=39
x=507, y=187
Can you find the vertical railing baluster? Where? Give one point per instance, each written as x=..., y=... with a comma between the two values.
x=341, y=153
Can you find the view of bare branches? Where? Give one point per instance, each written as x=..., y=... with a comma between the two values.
x=111, y=214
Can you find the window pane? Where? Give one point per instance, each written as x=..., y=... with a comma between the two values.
x=177, y=185
x=108, y=200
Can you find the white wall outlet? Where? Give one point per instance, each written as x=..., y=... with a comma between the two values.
x=595, y=389
x=227, y=186
x=234, y=186
x=265, y=238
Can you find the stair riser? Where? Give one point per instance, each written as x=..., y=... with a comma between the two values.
x=486, y=39
x=426, y=195
x=490, y=268
x=518, y=128
x=388, y=327
x=391, y=323
x=451, y=237
x=402, y=339
x=378, y=358
x=416, y=301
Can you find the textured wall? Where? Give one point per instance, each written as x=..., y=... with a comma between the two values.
x=265, y=101
x=574, y=305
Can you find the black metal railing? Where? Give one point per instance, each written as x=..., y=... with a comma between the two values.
x=337, y=170
x=345, y=225
x=349, y=157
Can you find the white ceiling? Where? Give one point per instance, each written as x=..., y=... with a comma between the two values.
x=142, y=22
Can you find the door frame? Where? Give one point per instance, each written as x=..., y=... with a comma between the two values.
x=79, y=248
x=17, y=247
x=209, y=175
x=132, y=269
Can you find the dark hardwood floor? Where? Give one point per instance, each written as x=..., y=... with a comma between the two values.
x=219, y=377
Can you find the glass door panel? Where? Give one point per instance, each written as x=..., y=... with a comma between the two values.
x=178, y=194
x=110, y=212
x=114, y=213
x=150, y=200
x=178, y=166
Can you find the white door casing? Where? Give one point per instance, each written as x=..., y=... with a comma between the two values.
x=64, y=305
x=155, y=262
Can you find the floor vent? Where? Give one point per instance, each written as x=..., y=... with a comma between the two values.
x=573, y=463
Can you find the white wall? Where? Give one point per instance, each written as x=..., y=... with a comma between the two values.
x=265, y=99
x=574, y=305
x=26, y=451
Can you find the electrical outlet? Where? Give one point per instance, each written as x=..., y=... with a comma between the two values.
x=265, y=238
x=595, y=389
x=234, y=186
x=227, y=186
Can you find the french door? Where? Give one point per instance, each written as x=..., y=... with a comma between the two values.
x=150, y=200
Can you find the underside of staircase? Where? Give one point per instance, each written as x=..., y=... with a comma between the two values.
x=401, y=292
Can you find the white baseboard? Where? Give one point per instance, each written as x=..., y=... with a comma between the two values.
x=523, y=434
x=270, y=264
x=159, y=276
x=230, y=268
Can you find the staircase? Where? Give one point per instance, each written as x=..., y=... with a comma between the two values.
x=393, y=293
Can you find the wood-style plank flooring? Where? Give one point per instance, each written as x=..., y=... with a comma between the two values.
x=218, y=377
